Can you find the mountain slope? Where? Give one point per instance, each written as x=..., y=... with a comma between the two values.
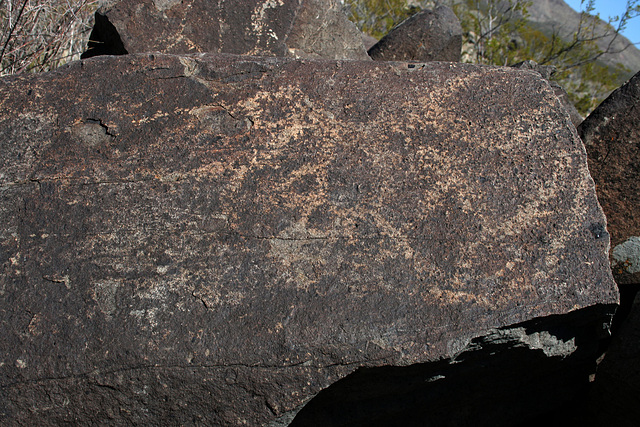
x=556, y=15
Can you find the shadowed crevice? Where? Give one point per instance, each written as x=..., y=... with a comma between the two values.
x=104, y=39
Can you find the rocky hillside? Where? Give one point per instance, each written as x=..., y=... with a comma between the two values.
x=556, y=15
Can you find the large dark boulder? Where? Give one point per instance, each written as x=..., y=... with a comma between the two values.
x=301, y=29
x=429, y=35
x=611, y=135
x=215, y=239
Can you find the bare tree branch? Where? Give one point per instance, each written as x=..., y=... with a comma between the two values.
x=12, y=29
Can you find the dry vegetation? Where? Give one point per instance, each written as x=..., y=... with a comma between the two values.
x=43, y=34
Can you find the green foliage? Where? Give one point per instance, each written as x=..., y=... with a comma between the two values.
x=498, y=32
x=43, y=34
x=490, y=29
x=586, y=80
x=377, y=17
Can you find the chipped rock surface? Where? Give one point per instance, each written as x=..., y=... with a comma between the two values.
x=539, y=367
x=611, y=135
x=215, y=238
x=296, y=28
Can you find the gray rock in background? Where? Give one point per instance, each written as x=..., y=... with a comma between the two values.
x=429, y=35
x=308, y=28
x=215, y=239
x=322, y=30
x=368, y=41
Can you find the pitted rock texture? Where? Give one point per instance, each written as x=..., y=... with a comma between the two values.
x=430, y=35
x=547, y=71
x=296, y=28
x=611, y=135
x=215, y=238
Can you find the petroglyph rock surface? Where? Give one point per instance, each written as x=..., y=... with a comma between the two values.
x=301, y=29
x=216, y=238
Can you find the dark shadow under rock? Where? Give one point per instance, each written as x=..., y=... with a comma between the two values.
x=104, y=39
x=515, y=376
x=616, y=394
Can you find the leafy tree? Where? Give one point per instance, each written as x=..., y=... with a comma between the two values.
x=578, y=57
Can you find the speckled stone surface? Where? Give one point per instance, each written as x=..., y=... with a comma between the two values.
x=294, y=28
x=216, y=238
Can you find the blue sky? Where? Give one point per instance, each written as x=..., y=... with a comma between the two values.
x=608, y=8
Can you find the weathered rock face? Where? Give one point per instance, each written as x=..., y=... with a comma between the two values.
x=547, y=71
x=307, y=28
x=216, y=238
x=430, y=35
x=368, y=41
x=322, y=30
x=611, y=135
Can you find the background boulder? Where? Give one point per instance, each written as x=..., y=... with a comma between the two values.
x=429, y=35
x=611, y=135
x=303, y=29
